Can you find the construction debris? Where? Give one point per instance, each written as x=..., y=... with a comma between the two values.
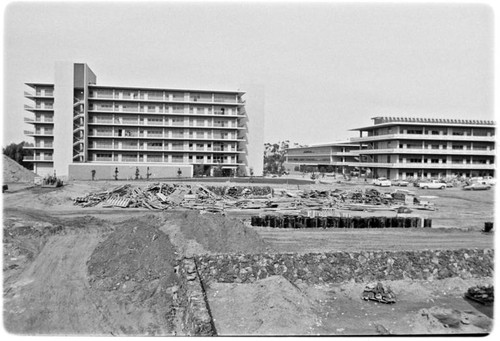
x=377, y=292
x=160, y=196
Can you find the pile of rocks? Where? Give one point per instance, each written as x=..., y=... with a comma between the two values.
x=339, y=267
x=481, y=294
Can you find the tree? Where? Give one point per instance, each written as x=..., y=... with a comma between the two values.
x=274, y=157
x=17, y=153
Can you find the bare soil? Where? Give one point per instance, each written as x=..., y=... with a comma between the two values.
x=96, y=271
x=274, y=306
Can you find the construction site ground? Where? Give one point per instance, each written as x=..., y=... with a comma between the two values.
x=70, y=270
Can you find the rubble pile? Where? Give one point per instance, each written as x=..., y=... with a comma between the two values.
x=377, y=292
x=356, y=199
x=481, y=294
x=240, y=191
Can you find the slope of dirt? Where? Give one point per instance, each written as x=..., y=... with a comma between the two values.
x=47, y=290
x=271, y=306
x=134, y=266
x=14, y=172
x=220, y=234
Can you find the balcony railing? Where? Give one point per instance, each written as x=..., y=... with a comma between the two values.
x=423, y=137
x=428, y=151
x=419, y=165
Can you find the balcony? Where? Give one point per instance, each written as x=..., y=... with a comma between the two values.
x=39, y=146
x=38, y=94
x=38, y=158
x=38, y=108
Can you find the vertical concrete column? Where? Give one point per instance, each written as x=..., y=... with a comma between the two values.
x=63, y=117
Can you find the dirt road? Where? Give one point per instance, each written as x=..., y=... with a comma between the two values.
x=43, y=299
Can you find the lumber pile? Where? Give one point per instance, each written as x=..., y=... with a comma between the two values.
x=160, y=196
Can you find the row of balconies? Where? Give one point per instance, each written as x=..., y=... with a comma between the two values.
x=167, y=98
x=166, y=149
x=159, y=135
x=427, y=151
x=166, y=160
x=165, y=124
x=452, y=165
x=181, y=113
x=423, y=137
x=350, y=153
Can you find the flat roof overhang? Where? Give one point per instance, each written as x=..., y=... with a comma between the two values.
x=94, y=86
x=423, y=124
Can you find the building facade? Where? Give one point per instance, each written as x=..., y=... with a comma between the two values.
x=399, y=147
x=341, y=157
x=80, y=127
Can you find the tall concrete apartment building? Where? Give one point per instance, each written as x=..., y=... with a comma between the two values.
x=81, y=128
x=340, y=155
x=401, y=147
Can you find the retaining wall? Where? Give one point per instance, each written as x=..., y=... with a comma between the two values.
x=338, y=267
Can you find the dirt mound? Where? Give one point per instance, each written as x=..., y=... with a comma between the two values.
x=272, y=306
x=136, y=252
x=14, y=172
x=220, y=234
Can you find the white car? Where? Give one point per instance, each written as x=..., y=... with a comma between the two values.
x=434, y=184
x=401, y=183
x=382, y=182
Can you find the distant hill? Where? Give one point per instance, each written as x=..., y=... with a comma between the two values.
x=14, y=172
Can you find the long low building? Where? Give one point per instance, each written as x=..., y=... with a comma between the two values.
x=402, y=147
x=82, y=129
x=339, y=157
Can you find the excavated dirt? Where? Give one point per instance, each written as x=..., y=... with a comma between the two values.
x=272, y=306
x=14, y=172
x=220, y=234
x=136, y=264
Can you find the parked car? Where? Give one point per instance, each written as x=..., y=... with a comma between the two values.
x=477, y=186
x=447, y=183
x=434, y=184
x=401, y=183
x=382, y=182
x=490, y=180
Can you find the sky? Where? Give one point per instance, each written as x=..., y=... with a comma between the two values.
x=326, y=67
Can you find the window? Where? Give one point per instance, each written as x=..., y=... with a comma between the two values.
x=155, y=158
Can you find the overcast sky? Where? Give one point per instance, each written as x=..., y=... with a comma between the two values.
x=326, y=67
